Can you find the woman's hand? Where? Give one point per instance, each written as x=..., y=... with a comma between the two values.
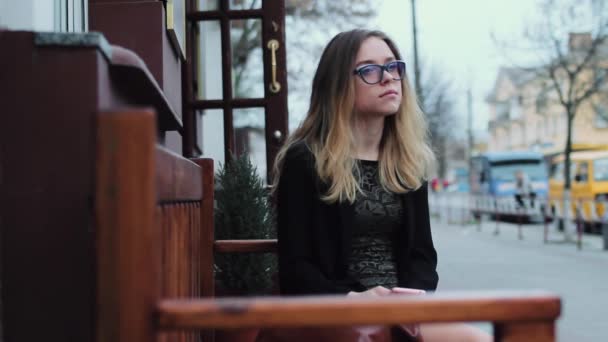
x=378, y=291
x=383, y=291
x=374, y=292
x=412, y=329
x=405, y=290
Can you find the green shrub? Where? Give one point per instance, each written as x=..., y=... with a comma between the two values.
x=243, y=211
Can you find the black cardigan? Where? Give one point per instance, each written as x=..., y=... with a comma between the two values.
x=315, y=237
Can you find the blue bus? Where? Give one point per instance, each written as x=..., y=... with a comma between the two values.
x=493, y=175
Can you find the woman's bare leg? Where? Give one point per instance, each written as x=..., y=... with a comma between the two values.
x=453, y=332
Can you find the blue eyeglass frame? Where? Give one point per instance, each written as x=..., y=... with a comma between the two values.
x=384, y=67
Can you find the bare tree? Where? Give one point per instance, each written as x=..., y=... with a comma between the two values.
x=434, y=93
x=248, y=41
x=576, y=72
x=310, y=25
x=572, y=66
x=437, y=93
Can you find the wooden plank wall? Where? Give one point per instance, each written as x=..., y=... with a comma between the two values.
x=149, y=202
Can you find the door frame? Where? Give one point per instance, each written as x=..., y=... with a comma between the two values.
x=272, y=15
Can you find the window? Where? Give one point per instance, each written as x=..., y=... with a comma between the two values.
x=581, y=172
x=600, y=169
x=600, y=119
x=505, y=171
x=45, y=15
x=516, y=109
x=541, y=102
x=71, y=15
x=502, y=110
x=557, y=171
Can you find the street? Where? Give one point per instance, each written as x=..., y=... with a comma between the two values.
x=470, y=259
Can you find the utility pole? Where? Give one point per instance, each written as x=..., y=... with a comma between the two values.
x=471, y=141
x=416, y=65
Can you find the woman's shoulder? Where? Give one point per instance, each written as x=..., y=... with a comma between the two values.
x=300, y=152
x=422, y=190
x=298, y=165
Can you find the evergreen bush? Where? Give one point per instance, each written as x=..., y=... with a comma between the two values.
x=243, y=211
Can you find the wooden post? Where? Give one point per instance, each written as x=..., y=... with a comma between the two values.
x=207, y=236
x=128, y=238
x=537, y=331
x=207, y=225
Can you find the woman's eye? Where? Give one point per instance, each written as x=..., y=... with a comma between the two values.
x=366, y=71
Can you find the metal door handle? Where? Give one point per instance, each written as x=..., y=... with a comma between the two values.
x=273, y=45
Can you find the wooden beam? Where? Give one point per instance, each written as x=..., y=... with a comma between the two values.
x=341, y=310
x=177, y=178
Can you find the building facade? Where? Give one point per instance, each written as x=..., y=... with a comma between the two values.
x=525, y=114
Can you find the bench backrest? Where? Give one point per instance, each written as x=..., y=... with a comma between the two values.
x=150, y=231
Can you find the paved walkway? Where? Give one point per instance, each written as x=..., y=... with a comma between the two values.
x=471, y=259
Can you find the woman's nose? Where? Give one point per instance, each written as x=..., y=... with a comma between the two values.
x=386, y=76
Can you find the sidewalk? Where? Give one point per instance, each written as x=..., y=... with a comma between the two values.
x=470, y=259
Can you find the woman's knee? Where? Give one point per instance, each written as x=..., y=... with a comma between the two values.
x=454, y=332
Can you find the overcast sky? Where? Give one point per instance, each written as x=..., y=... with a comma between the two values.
x=455, y=36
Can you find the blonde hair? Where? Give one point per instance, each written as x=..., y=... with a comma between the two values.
x=405, y=156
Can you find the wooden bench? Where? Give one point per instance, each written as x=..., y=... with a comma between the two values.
x=155, y=259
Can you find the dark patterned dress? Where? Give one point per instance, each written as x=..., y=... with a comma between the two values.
x=378, y=215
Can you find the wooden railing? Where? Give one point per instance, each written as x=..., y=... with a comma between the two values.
x=517, y=316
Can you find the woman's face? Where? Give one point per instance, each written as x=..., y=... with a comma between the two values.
x=383, y=98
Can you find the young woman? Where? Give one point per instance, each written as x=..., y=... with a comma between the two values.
x=352, y=198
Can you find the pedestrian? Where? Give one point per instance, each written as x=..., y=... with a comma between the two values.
x=350, y=184
x=523, y=189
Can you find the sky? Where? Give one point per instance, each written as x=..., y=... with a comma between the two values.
x=455, y=37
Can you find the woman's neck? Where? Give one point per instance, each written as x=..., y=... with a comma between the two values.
x=368, y=134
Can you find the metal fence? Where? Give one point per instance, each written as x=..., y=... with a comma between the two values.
x=462, y=208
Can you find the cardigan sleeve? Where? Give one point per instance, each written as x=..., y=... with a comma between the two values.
x=297, y=195
x=422, y=273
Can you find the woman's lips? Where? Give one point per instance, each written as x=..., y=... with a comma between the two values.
x=388, y=92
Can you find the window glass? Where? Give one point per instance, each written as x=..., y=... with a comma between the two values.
x=209, y=74
x=207, y=5
x=600, y=169
x=506, y=172
x=250, y=137
x=582, y=172
x=557, y=171
x=245, y=4
x=211, y=134
x=247, y=62
x=45, y=15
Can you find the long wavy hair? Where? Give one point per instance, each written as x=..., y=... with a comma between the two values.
x=405, y=156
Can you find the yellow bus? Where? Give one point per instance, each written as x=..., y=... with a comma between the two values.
x=589, y=181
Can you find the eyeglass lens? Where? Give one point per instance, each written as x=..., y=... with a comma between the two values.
x=373, y=73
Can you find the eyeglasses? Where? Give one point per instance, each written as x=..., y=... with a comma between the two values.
x=373, y=73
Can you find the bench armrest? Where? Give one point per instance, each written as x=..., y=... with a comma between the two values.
x=340, y=310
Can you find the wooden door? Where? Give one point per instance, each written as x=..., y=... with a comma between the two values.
x=236, y=70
